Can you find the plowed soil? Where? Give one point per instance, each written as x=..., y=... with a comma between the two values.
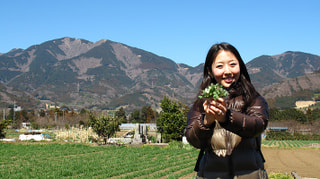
x=305, y=162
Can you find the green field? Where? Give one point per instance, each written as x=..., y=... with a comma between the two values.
x=53, y=160
x=289, y=143
x=69, y=160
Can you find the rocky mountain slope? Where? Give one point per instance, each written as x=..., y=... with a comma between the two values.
x=103, y=75
x=265, y=70
x=106, y=74
x=301, y=84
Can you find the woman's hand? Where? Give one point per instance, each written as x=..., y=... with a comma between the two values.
x=215, y=110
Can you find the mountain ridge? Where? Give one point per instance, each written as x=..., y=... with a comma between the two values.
x=107, y=74
x=106, y=69
x=265, y=70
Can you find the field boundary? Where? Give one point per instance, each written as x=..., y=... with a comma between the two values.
x=290, y=144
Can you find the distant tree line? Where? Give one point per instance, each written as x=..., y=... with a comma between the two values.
x=307, y=116
x=51, y=118
x=171, y=121
x=144, y=115
x=275, y=135
x=285, y=102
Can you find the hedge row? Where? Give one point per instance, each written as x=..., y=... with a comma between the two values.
x=273, y=135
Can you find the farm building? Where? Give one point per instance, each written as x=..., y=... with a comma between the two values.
x=278, y=129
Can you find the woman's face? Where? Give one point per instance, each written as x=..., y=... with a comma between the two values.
x=226, y=68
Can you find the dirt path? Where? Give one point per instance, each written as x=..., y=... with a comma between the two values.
x=305, y=162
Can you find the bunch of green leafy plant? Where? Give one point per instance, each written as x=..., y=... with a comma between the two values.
x=214, y=91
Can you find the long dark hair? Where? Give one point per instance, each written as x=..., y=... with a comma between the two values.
x=242, y=87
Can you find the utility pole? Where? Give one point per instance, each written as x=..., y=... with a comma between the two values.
x=14, y=106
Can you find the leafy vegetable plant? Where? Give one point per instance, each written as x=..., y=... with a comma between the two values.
x=214, y=91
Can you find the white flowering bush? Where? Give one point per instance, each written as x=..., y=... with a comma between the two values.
x=82, y=135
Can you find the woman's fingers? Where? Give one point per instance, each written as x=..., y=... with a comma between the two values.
x=214, y=110
x=215, y=107
x=206, y=106
x=221, y=100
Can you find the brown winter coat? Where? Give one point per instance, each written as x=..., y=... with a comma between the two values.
x=231, y=148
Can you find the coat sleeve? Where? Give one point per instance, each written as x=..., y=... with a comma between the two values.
x=249, y=124
x=198, y=134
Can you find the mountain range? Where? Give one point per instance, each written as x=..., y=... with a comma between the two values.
x=105, y=75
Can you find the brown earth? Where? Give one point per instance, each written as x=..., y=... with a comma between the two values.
x=305, y=162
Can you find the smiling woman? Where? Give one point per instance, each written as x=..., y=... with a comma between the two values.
x=225, y=68
x=228, y=130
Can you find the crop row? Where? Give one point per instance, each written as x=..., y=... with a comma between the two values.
x=289, y=143
x=53, y=160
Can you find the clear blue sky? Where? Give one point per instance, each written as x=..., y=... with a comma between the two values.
x=180, y=30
